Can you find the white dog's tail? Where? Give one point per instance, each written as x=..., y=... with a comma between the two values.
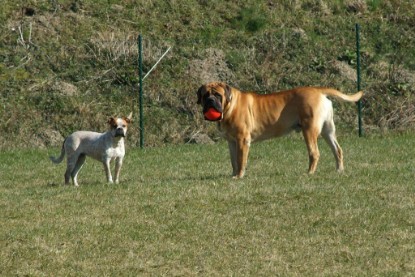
x=349, y=98
x=60, y=158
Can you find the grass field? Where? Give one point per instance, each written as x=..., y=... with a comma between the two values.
x=177, y=212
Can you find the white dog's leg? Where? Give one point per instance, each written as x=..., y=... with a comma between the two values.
x=70, y=165
x=67, y=175
x=118, y=164
x=78, y=166
x=108, y=170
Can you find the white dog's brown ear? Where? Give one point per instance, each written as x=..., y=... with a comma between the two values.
x=111, y=121
x=128, y=118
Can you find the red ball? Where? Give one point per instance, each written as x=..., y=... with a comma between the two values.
x=213, y=115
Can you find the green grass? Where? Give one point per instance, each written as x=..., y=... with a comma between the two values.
x=177, y=211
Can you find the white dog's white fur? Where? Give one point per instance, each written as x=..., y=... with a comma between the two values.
x=103, y=147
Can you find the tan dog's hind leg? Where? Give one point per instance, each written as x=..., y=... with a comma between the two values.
x=329, y=135
x=310, y=135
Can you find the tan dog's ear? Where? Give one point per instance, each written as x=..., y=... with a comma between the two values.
x=228, y=93
x=199, y=95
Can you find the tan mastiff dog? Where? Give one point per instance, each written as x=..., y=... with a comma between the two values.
x=245, y=117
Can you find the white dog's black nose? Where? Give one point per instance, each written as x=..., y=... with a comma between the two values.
x=119, y=132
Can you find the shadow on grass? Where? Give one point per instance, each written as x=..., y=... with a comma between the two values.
x=80, y=183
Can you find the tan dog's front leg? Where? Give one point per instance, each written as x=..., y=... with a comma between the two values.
x=232, y=152
x=108, y=170
x=242, y=151
x=118, y=164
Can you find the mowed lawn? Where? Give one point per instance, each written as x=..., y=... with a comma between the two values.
x=177, y=212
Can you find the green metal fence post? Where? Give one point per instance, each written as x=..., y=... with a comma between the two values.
x=359, y=104
x=140, y=93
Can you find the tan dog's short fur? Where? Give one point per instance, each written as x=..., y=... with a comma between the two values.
x=103, y=147
x=249, y=117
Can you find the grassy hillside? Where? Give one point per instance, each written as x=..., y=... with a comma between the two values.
x=70, y=64
x=169, y=217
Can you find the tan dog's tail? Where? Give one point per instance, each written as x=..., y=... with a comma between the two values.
x=60, y=158
x=349, y=98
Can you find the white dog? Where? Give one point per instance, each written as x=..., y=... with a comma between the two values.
x=103, y=147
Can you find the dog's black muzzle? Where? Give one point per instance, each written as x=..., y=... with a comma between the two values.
x=119, y=132
x=212, y=102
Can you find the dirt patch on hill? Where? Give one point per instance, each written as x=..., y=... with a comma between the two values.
x=344, y=70
x=211, y=67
